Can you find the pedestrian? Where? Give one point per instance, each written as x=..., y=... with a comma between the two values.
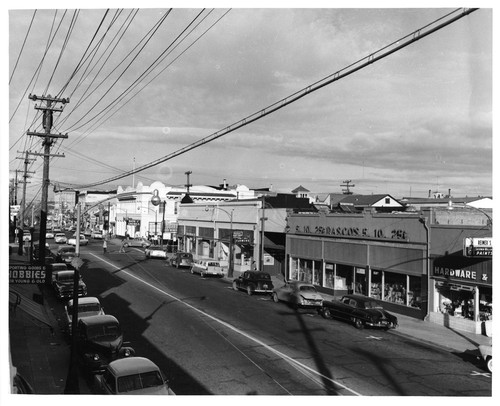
x=104, y=246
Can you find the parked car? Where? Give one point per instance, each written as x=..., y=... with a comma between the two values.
x=132, y=376
x=207, y=267
x=87, y=232
x=136, y=242
x=99, y=342
x=97, y=235
x=60, y=238
x=56, y=229
x=155, y=251
x=83, y=240
x=66, y=253
x=360, y=310
x=49, y=235
x=254, y=282
x=63, y=282
x=26, y=235
x=298, y=295
x=87, y=306
x=184, y=259
x=55, y=267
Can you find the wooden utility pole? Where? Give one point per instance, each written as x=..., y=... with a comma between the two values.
x=347, y=185
x=48, y=137
x=24, y=182
x=188, y=185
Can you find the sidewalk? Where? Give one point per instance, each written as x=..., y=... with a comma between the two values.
x=41, y=353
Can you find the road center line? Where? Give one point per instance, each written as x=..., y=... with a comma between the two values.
x=231, y=327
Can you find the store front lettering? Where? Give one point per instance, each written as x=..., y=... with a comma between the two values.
x=457, y=273
x=353, y=232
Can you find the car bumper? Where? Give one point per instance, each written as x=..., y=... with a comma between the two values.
x=382, y=324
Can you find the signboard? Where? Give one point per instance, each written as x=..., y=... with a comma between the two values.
x=478, y=247
x=26, y=274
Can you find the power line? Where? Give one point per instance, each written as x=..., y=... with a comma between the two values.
x=22, y=47
x=349, y=70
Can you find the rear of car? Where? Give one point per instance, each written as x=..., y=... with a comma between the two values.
x=207, y=267
x=183, y=259
x=63, y=283
x=155, y=252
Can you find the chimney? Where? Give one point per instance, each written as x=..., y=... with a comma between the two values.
x=449, y=192
x=225, y=184
x=429, y=193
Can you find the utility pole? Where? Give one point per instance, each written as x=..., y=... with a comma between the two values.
x=24, y=182
x=262, y=234
x=347, y=185
x=48, y=137
x=188, y=185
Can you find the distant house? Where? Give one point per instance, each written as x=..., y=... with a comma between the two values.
x=301, y=191
x=380, y=202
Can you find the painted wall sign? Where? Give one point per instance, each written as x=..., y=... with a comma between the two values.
x=25, y=274
x=354, y=232
x=478, y=247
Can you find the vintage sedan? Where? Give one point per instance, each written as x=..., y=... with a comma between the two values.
x=155, y=251
x=87, y=306
x=298, y=295
x=254, y=282
x=132, y=376
x=206, y=267
x=66, y=253
x=83, y=240
x=360, y=310
x=182, y=259
x=100, y=341
x=49, y=235
x=136, y=242
x=60, y=238
x=63, y=283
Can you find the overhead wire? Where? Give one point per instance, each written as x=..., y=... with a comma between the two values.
x=22, y=47
x=344, y=72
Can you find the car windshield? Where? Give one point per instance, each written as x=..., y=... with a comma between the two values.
x=67, y=250
x=213, y=264
x=65, y=278
x=306, y=288
x=264, y=276
x=187, y=256
x=372, y=305
x=139, y=381
x=103, y=331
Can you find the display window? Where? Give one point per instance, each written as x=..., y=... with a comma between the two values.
x=318, y=273
x=414, y=292
x=394, y=288
x=305, y=270
x=456, y=302
x=485, y=304
x=343, y=279
x=329, y=276
x=376, y=287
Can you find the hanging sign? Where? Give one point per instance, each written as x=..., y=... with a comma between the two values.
x=478, y=247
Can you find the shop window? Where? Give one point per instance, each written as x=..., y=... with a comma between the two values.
x=343, y=279
x=485, y=304
x=456, y=302
x=305, y=270
x=414, y=292
x=361, y=281
x=376, y=288
x=329, y=276
x=294, y=269
x=318, y=273
x=395, y=288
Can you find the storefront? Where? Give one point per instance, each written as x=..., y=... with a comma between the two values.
x=461, y=278
x=383, y=256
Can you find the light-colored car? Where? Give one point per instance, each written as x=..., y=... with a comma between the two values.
x=26, y=235
x=60, y=238
x=66, y=253
x=132, y=376
x=298, y=294
x=83, y=240
x=97, y=235
x=207, y=267
x=155, y=251
x=49, y=235
x=136, y=242
x=87, y=306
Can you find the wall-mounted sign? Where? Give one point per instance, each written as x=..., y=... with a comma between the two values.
x=478, y=247
x=26, y=274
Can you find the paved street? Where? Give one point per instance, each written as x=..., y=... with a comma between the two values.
x=209, y=339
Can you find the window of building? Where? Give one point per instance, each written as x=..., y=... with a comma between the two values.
x=376, y=287
x=395, y=288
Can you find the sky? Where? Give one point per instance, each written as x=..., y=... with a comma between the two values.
x=417, y=120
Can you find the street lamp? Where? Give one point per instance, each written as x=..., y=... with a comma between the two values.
x=230, y=262
x=155, y=201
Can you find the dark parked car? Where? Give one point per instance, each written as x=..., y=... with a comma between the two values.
x=100, y=341
x=184, y=259
x=66, y=253
x=254, y=282
x=360, y=310
x=63, y=282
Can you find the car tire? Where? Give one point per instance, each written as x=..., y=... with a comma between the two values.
x=489, y=364
x=125, y=245
x=325, y=313
x=249, y=291
x=202, y=274
x=192, y=270
x=358, y=323
x=235, y=286
x=275, y=297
